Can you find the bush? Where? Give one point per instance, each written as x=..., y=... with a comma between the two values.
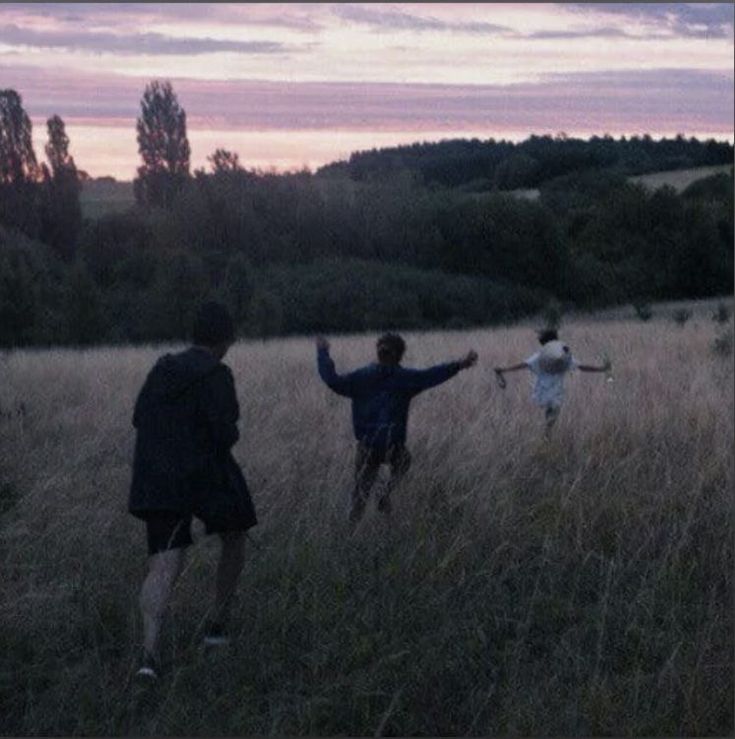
x=265, y=315
x=85, y=322
x=718, y=187
x=722, y=344
x=721, y=314
x=31, y=286
x=681, y=316
x=360, y=295
x=552, y=314
x=643, y=311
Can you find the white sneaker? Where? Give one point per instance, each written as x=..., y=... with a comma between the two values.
x=149, y=668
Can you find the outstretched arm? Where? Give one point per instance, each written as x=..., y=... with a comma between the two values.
x=415, y=381
x=513, y=368
x=341, y=384
x=605, y=367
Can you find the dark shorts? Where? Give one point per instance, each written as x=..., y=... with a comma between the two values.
x=167, y=530
x=367, y=465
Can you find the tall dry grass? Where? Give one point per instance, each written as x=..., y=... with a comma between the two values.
x=577, y=587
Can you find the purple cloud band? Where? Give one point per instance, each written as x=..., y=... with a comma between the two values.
x=675, y=99
x=132, y=43
x=382, y=18
x=661, y=20
x=297, y=17
x=688, y=20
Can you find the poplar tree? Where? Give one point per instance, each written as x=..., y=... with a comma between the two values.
x=62, y=212
x=163, y=146
x=19, y=170
x=17, y=158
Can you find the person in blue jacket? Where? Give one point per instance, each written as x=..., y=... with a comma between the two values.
x=381, y=394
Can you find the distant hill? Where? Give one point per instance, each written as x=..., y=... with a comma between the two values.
x=680, y=179
x=474, y=165
x=105, y=195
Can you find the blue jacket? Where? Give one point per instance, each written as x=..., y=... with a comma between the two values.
x=381, y=395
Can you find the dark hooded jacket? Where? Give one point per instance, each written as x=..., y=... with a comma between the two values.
x=186, y=420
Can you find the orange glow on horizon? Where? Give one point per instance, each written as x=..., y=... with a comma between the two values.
x=112, y=151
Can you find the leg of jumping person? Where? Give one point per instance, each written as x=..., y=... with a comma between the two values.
x=552, y=414
x=399, y=460
x=367, y=465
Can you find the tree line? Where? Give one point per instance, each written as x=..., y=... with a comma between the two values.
x=503, y=165
x=333, y=250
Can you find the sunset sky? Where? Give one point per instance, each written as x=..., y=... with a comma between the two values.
x=303, y=84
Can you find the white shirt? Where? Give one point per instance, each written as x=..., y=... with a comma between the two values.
x=548, y=389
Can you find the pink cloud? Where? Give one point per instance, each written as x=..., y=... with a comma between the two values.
x=649, y=100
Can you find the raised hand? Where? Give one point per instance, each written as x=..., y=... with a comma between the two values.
x=322, y=343
x=469, y=360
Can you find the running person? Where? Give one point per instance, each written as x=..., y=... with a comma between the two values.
x=186, y=421
x=550, y=365
x=381, y=394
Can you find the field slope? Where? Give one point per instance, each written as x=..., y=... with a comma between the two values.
x=581, y=586
x=680, y=179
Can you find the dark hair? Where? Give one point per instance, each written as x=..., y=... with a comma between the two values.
x=546, y=335
x=390, y=348
x=213, y=325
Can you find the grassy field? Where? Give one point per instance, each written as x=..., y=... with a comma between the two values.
x=680, y=179
x=581, y=586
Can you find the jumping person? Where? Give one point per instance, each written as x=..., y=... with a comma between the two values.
x=549, y=365
x=381, y=394
x=186, y=420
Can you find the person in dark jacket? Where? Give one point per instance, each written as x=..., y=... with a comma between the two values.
x=186, y=424
x=381, y=394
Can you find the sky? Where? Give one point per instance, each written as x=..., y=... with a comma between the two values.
x=295, y=85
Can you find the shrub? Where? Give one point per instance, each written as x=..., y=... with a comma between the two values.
x=361, y=295
x=681, y=316
x=552, y=314
x=643, y=311
x=265, y=314
x=721, y=314
x=723, y=344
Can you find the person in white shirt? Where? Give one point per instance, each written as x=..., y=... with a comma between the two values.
x=550, y=365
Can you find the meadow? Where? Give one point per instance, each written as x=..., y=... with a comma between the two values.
x=576, y=586
x=678, y=179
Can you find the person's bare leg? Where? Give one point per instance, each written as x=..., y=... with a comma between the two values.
x=155, y=595
x=230, y=566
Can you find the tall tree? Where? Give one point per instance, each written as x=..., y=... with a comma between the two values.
x=62, y=211
x=19, y=171
x=57, y=149
x=163, y=146
x=17, y=158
